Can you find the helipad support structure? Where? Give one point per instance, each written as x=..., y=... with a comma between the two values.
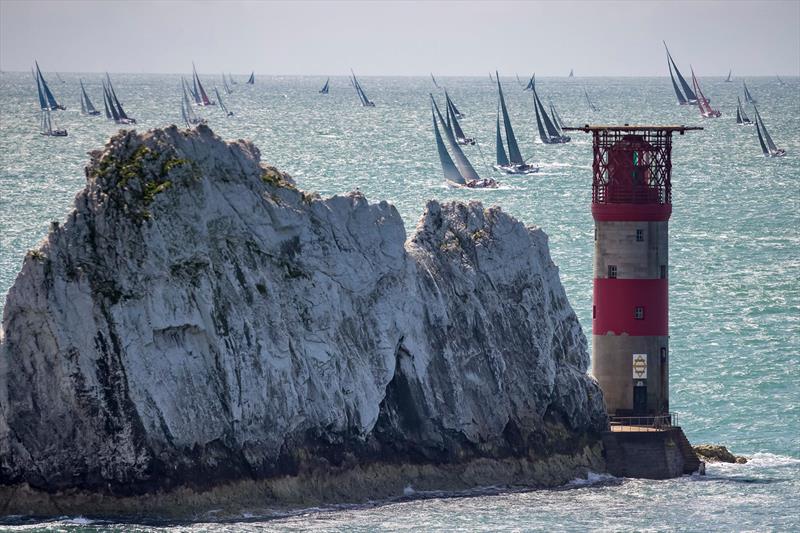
x=631, y=206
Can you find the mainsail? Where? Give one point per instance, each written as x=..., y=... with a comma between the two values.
x=502, y=158
x=461, y=161
x=687, y=91
x=678, y=93
x=451, y=173
x=514, y=154
x=764, y=148
x=51, y=100
x=747, y=96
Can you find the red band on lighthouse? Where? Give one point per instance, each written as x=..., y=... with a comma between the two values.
x=616, y=301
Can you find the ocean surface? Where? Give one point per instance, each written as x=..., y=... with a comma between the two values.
x=734, y=254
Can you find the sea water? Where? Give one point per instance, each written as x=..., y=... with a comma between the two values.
x=734, y=261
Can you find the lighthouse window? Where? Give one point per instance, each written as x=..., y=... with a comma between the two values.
x=612, y=271
x=639, y=235
x=638, y=313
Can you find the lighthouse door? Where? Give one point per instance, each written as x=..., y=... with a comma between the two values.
x=639, y=398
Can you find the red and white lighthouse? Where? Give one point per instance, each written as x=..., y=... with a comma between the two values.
x=631, y=206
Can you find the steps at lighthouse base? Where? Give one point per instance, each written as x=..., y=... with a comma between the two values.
x=649, y=454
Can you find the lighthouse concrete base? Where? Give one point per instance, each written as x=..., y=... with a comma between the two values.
x=649, y=453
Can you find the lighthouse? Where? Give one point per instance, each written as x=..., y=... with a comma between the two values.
x=631, y=207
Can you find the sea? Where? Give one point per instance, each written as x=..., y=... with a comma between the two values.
x=734, y=263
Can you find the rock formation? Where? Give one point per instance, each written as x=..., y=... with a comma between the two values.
x=198, y=322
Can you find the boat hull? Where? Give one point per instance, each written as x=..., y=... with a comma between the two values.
x=517, y=169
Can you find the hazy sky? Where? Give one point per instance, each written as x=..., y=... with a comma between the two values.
x=403, y=38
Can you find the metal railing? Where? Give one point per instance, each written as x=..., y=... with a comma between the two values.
x=644, y=423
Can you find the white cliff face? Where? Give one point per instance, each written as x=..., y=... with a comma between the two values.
x=199, y=318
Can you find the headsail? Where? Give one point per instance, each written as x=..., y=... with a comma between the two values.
x=502, y=158
x=452, y=106
x=687, y=91
x=556, y=118
x=705, y=108
x=451, y=173
x=514, y=154
x=459, y=133
x=740, y=113
x=552, y=131
x=764, y=148
x=461, y=161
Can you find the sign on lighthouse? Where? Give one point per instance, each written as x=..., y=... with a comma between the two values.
x=640, y=366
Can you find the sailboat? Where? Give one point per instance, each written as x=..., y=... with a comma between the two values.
x=588, y=100
x=741, y=117
x=434, y=81
x=87, y=108
x=230, y=79
x=531, y=83
x=705, y=108
x=46, y=119
x=201, y=98
x=222, y=104
x=365, y=102
x=513, y=164
x=252, y=78
x=571, y=74
x=549, y=133
x=117, y=113
x=48, y=94
x=452, y=121
x=687, y=97
x=326, y=87
x=765, y=139
x=461, y=172
x=187, y=111
x=728, y=79
x=225, y=85
x=783, y=83
x=748, y=98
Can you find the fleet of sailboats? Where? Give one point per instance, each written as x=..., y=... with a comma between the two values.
x=706, y=111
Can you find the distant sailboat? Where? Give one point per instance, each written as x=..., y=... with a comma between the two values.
x=783, y=83
x=748, y=98
x=728, y=79
x=222, y=104
x=202, y=97
x=452, y=119
x=225, y=85
x=767, y=145
x=252, y=79
x=531, y=83
x=548, y=132
x=362, y=96
x=117, y=113
x=326, y=87
x=741, y=117
x=46, y=119
x=434, y=81
x=588, y=100
x=705, y=108
x=187, y=111
x=687, y=96
x=87, y=108
x=230, y=78
x=571, y=73
x=515, y=163
x=461, y=172
x=48, y=94
x=453, y=107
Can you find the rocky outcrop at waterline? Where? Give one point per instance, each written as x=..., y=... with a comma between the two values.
x=715, y=453
x=199, y=323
